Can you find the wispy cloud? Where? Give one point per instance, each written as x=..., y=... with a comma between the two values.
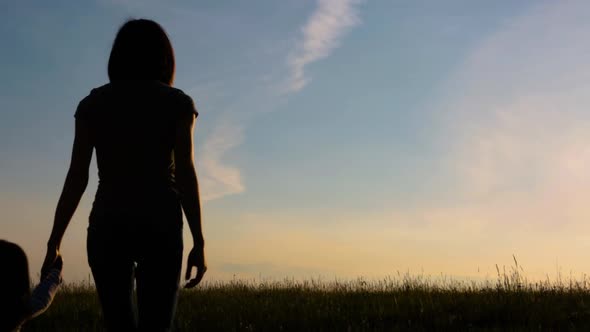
x=518, y=121
x=219, y=179
x=321, y=35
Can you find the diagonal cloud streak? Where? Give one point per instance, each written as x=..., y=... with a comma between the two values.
x=218, y=178
x=321, y=34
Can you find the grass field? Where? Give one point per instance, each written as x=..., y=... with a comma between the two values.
x=403, y=303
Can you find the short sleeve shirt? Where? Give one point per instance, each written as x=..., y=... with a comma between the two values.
x=132, y=125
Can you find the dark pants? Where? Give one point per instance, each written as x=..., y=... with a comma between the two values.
x=148, y=248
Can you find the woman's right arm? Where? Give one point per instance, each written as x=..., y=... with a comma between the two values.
x=186, y=179
x=74, y=186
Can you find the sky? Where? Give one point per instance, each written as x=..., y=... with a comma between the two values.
x=336, y=138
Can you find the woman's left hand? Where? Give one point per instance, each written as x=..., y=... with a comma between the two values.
x=196, y=258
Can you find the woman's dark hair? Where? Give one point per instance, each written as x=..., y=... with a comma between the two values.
x=14, y=285
x=142, y=51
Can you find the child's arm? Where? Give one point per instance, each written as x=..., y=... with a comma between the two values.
x=44, y=292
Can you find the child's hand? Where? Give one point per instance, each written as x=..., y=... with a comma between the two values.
x=59, y=263
x=51, y=258
x=44, y=292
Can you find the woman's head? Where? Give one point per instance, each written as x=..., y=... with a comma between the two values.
x=142, y=51
x=14, y=284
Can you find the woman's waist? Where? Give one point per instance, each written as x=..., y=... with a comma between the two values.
x=137, y=187
x=132, y=195
x=136, y=208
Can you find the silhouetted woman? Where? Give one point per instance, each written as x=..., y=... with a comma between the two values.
x=142, y=129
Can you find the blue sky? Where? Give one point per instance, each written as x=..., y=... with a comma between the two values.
x=335, y=137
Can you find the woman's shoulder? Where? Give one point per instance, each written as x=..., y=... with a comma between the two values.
x=162, y=92
x=173, y=92
x=178, y=97
x=96, y=93
x=156, y=88
x=90, y=100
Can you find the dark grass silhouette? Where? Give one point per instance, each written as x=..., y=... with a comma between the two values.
x=404, y=303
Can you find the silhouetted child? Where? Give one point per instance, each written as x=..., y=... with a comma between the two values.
x=17, y=303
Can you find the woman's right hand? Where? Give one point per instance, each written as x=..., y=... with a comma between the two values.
x=50, y=259
x=196, y=258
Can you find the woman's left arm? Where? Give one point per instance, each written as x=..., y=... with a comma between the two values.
x=75, y=184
